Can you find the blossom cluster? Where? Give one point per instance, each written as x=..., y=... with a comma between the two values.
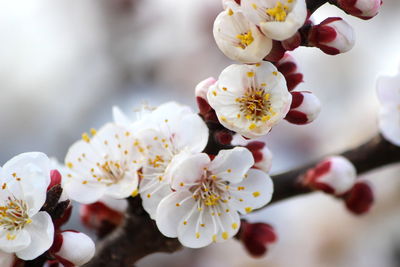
x=32, y=211
x=191, y=195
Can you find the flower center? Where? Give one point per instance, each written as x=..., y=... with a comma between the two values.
x=14, y=216
x=279, y=12
x=245, y=39
x=211, y=191
x=112, y=172
x=255, y=105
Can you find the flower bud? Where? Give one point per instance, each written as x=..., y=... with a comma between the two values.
x=256, y=237
x=360, y=198
x=304, y=109
x=293, y=42
x=277, y=52
x=333, y=36
x=55, y=177
x=364, y=9
x=288, y=67
x=201, y=94
x=335, y=175
x=261, y=154
x=73, y=248
x=103, y=216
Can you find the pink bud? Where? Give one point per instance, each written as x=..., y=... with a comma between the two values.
x=305, y=108
x=256, y=237
x=288, y=67
x=277, y=52
x=333, y=36
x=55, y=177
x=360, y=198
x=292, y=43
x=72, y=248
x=201, y=95
x=100, y=217
x=364, y=9
x=261, y=154
x=335, y=175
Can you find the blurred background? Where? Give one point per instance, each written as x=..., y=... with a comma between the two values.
x=64, y=64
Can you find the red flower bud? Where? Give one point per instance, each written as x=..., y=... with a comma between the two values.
x=256, y=237
x=304, y=109
x=360, y=198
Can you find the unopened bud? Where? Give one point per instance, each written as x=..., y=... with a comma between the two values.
x=304, y=109
x=261, y=154
x=333, y=36
x=55, y=177
x=360, y=198
x=73, y=248
x=288, y=67
x=201, y=95
x=256, y=237
x=223, y=137
x=335, y=175
x=364, y=9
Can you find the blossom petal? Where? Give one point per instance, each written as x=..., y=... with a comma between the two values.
x=41, y=231
x=197, y=230
x=229, y=224
x=83, y=193
x=231, y=165
x=21, y=239
x=171, y=210
x=253, y=192
x=120, y=117
x=188, y=170
x=30, y=174
x=152, y=197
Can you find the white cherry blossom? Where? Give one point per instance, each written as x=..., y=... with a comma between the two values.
x=238, y=38
x=166, y=132
x=76, y=248
x=389, y=118
x=278, y=19
x=24, y=229
x=250, y=99
x=209, y=195
x=105, y=165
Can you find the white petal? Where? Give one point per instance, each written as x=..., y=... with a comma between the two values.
x=6, y=259
x=229, y=224
x=119, y=205
x=32, y=177
x=152, y=197
x=125, y=187
x=191, y=133
x=77, y=248
x=253, y=192
x=389, y=90
x=389, y=124
x=188, y=170
x=231, y=165
x=85, y=194
x=41, y=231
x=198, y=229
x=283, y=30
x=232, y=23
x=120, y=117
x=169, y=214
x=10, y=245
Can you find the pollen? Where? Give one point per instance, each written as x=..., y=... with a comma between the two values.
x=245, y=39
x=85, y=137
x=70, y=165
x=234, y=226
x=214, y=238
x=184, y=222
x=248, y=209
x=214, y=93
x=228, y=170
x=177, y=204
x=135, y=193
x=84, y=182
x=252, y=126
x=197, y=235
x=254, y=6
x=230, y=12
x=224, y=88
x=93, y=131
x=279, y=12
x=250, y=74
x=148, y=196
x=182, y=184
x=4, y=186
x=275, y=73
x=225, y=235
x=256, y=194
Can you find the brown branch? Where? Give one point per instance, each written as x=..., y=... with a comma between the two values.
x=139, y=237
